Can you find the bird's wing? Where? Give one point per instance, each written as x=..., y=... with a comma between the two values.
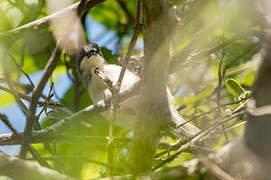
x=112, y=72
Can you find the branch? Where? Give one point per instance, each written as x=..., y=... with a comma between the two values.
x=44, y=22
x=27, y=88
x=20, y=69
x=193, y=44
x=26, y=170
x=83, y=158
x=64, y=124
x=34, y=153
x=198, y=137
x=213, y=49
x=9, y=125
x=49, y=103
x=31, y=118
x=138, y=28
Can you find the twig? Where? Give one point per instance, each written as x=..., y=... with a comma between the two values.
x=10, y=139
x=101, y=106
x=137, y=31
x=56, y=129
x=192, y=149
x=111, y=146
x=12, y=89
x=193, y=44
x=198, y=136
x=27, y=88
x=49, y=68
x=37, y=156
x=84, y=158
x=116, y=89
x=20, y=69
x=232, y=127
x=220, y=77
x=113, y=109
x=213, y=49
x=50, y=103
x=9, y=125
x=21, y=95
x=44, y=22
x=15, y=132
x=212, y=110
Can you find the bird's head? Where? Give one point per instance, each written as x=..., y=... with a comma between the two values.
x=89, y=56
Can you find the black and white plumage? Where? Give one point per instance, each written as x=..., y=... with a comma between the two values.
x=90, y=60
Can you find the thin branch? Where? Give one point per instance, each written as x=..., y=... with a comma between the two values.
x=49, y=68
x=34, y=153
x=27, y=88
x=65, y=123
x=20, y=69
x=116, y=89
x=220, y=78
x=212, y=110
x=192, y=45
x=232, y=127
x=84, y=158
x=213, y=49
x=23, y=96
x=12, y=89
x=9, y=125
x=37, y=156
x=10, y=139
x=132, y=44
x=113, y=109
x=198, y=136
x=44, y=22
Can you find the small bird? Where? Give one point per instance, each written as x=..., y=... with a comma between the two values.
x=91, y=62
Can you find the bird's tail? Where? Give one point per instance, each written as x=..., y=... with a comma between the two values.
x=180, y=129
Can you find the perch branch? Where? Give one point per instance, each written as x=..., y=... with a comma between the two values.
x=44, y=22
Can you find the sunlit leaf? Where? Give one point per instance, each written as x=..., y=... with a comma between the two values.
x=234, y=87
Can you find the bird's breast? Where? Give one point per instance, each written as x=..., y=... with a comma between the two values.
x=97, y=88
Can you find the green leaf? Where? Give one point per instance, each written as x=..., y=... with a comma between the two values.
x=234, y=87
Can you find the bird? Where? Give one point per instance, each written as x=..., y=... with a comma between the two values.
x=91, y=65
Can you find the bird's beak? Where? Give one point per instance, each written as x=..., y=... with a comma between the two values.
x=90, y=53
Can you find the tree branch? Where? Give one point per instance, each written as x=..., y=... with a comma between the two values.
x=31, y=118
x=26, y=170
x=44, y=22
